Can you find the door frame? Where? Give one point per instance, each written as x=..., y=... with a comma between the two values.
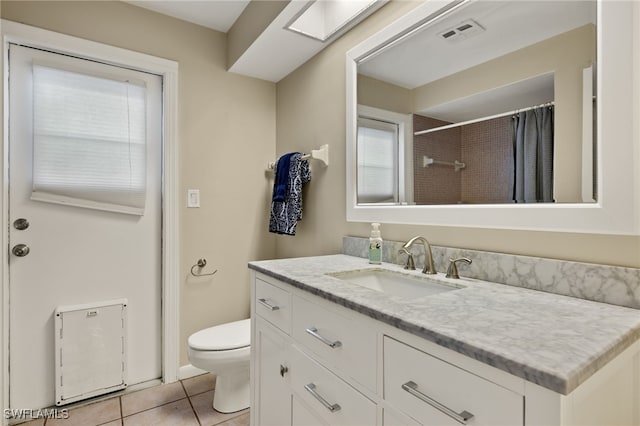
x=26, y=35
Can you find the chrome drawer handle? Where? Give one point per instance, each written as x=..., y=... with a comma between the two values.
x=314, y=332
x=461, y=418
x=267, y=305
x=311, y=388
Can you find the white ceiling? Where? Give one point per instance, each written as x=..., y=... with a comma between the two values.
x=218, y=15
x=509, y=26
x=275, y=52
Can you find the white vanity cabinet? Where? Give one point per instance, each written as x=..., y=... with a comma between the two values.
x=297, y=349
x=315, y=362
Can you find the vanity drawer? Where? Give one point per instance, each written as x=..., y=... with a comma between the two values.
x=340, y=341
x=333, y=400
x=303, y=416
x=273, y=304
x=416, y=383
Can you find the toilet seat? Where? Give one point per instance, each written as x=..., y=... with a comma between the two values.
x=233, y=335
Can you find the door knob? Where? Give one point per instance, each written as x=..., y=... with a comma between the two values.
x=20, y=250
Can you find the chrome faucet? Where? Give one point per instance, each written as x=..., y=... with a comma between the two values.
x=410, y=265
x=428, y=257
x=452, y=270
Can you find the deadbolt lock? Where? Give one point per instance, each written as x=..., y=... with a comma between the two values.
x=20, y=250
x=21, y=224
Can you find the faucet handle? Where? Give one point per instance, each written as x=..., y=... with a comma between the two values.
x=452, y=270
x=411, y=265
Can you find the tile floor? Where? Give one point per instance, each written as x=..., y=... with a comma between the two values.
x=183, y=403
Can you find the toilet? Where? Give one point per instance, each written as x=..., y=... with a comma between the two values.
x=224, y=350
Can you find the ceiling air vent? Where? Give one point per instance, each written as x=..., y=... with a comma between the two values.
x=462, y=31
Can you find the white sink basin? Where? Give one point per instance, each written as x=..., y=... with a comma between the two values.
x=395, y=283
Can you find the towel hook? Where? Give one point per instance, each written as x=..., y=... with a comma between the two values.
x=201, y=263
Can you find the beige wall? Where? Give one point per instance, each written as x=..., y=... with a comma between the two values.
x=380, y=94
x=311, y=111
x=226, y=138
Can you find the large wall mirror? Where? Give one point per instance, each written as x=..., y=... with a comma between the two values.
x=503, y=114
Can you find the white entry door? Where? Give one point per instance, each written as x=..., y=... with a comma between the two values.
x=78, y=232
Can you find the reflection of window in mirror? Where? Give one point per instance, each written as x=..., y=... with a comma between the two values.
x=377, y=165
x=384, y=157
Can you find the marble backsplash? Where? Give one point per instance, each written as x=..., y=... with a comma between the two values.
x=609, y=284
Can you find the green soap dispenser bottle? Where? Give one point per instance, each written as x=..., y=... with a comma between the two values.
x=375, y=245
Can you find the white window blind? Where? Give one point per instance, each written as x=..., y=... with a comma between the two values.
x=89, y=147
x=377, y=161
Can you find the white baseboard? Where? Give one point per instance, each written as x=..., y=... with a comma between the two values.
x=187, y=371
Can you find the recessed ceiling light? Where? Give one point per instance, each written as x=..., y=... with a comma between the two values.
x=325, y=19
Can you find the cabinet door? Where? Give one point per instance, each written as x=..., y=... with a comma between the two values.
x=273, y=397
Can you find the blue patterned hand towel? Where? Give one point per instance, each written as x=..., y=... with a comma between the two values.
x=282, y=177
x=286, y=213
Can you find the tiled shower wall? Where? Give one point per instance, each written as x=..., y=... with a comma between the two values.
x=487, y=150
x=436, y=184
x=485, y=147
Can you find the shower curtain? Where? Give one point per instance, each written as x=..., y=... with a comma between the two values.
x=533, y=152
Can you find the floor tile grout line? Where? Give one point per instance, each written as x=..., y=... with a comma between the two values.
x=195, y=413
x=198, y=393
x=187, y=396
x=153, y=408
x=120, y=409
x=231, y=418
x=121, y=413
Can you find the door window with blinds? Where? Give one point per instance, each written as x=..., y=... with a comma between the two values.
x=89, y=147
x=377, y=161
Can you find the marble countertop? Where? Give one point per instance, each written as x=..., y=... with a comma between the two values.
x=554, y=341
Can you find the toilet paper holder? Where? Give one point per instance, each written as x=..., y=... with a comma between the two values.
x=200, y=264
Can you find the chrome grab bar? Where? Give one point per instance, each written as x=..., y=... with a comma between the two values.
x=267, y=305
x=314, y=332
x=311, y=388
x=461, y=418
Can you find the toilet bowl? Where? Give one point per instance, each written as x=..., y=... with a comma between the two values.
x=225, y=350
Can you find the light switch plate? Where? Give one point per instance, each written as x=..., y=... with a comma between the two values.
x=193, y=198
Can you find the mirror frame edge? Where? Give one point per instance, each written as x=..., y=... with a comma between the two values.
x=617, y=210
